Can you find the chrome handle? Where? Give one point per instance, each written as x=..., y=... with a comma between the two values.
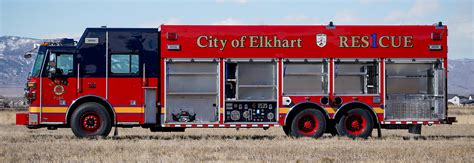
x=78, y=78
x=144, y=79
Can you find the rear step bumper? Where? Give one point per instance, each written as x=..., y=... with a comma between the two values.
x=451, y=120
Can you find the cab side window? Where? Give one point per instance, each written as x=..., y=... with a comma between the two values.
x=63, y=64
x=125, y=64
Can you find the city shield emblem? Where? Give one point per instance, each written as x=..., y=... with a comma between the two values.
x=321, y=40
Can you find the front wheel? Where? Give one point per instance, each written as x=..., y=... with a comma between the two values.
x=355, y=123
x=91, y=119
x=308, y=123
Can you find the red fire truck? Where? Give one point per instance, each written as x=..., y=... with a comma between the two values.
x=310, y=80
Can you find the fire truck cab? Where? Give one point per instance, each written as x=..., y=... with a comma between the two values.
x=311, y=80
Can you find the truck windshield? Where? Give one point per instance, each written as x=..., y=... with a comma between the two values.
x=38, y=62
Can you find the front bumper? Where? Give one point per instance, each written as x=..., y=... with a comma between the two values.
x=22, y=119
x=29, y=119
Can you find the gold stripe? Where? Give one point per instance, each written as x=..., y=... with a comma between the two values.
x=48, y=109
x=330, y=110
x=33, y=109
x=162, y=109
x=283, y=110
x=378, y=110
x=221, y=110
x=128, y=109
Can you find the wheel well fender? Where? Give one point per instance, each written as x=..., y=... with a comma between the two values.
x=302, y=106
x=89, y=98
x=352, y=105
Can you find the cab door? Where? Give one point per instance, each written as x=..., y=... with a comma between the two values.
x=125, y=75
x=58, y=86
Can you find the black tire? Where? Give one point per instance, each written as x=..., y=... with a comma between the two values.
x=356, y=123
x=308, y=123
x=91, y=119
x=286, y=129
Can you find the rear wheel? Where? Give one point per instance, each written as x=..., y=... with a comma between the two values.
x=91, y=119
x=308, y=123
x=355, y=123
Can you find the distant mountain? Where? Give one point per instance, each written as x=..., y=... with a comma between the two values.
x=14, y=68
x=461, y=76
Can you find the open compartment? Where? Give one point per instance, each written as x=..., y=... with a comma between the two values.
x=356, y=76
x=192, y=91
x=305, y=77
x=251, y=90
x=415, y=90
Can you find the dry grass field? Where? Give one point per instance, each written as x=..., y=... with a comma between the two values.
x=438, y=143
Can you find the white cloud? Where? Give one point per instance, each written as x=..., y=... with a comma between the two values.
x=228, y=21
x=233, y=1
x=300, y=19
x=346, y=17
x=420, y=8
x=372, y=1
x=154, y=24
x=172, y=21
x=341, y=17
x=461, y=35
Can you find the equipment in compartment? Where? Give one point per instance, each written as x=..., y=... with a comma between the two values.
x=421, y=99
x=250, y=90
x=250, y=112
x=184, y=116
x=192, y=91
x=356, y=76
x=230, y=82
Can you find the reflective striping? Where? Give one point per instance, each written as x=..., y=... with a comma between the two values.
x=162, y=110
x=128, y=123
x=52, y=123
x=378, y=110
x=283, y=110
x=64, y=109
x=128, y=109
x=48, y=109
x=330, y=110
x=410, y=122
x=244, y=125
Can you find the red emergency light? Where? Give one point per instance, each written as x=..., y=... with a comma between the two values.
x=172, y=36
x=436, y=36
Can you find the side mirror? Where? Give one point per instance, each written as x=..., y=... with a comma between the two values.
x=28, y=55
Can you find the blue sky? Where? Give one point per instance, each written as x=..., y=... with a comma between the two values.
x=62, y=18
